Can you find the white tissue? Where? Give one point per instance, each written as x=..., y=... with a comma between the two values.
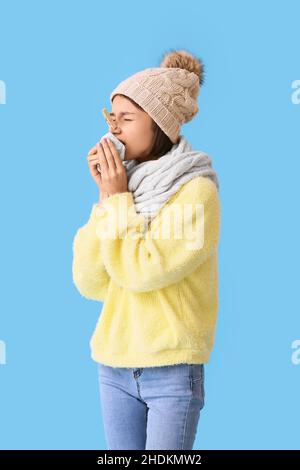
x=118, y=144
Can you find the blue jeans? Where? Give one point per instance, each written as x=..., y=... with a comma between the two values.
x=152, y=407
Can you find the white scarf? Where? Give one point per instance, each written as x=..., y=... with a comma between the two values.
x=153, y=182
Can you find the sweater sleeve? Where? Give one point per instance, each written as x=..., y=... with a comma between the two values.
x=89, y=274
x=184, y=233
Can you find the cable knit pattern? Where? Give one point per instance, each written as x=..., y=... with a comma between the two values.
x=168, y=95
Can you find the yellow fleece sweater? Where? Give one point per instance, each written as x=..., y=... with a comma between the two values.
x=159, y=287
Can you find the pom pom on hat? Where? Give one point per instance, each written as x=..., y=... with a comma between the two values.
x=184, y=60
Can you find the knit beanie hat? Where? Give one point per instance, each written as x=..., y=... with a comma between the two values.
x=167, y=93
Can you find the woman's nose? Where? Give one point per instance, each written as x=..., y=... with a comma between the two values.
x=116, y=129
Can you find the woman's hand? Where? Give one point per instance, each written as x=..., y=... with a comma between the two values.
x=113, y=176
x=93, y=161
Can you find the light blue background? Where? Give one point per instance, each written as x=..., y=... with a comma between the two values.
x=60, y=61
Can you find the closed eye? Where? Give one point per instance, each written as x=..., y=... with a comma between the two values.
x=124, y=120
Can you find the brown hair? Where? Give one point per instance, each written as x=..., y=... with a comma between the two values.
x=162, y=143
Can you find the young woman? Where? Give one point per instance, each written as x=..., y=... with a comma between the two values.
x=149, y=253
